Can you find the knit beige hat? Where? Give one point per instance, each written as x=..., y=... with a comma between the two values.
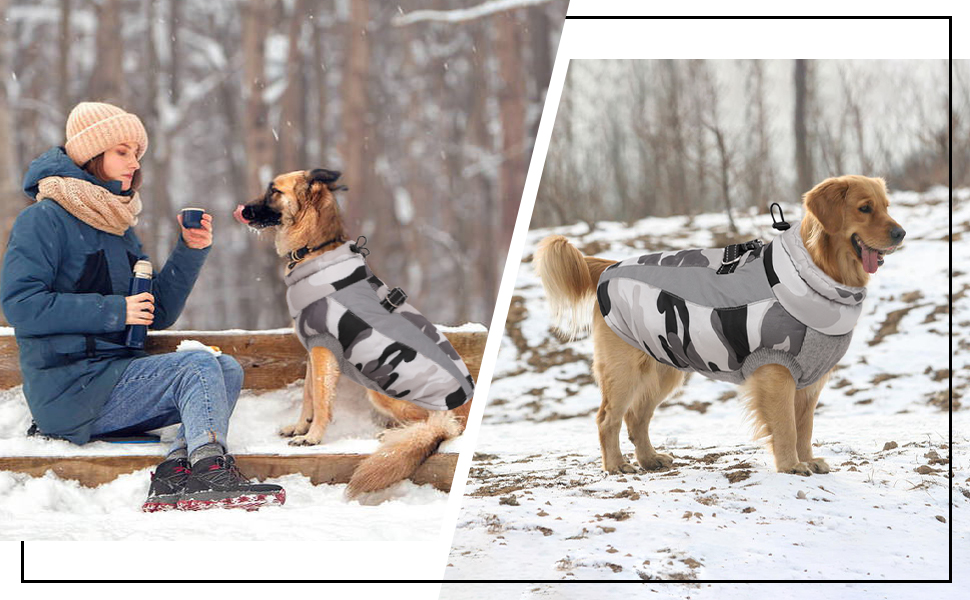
x=95, y=127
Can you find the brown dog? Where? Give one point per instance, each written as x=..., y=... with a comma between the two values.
x=847, y=231
x=302, y=207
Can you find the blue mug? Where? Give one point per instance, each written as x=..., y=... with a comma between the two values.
x=192, y=218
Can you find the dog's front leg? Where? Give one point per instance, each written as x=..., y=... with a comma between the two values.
x=771, y=389
x=806, y=400
x=324, y=373
x=306, y=413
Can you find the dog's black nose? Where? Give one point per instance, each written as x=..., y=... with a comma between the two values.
x=248, y=213
x=897, y=234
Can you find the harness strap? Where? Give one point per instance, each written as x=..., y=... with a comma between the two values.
x=733, y=254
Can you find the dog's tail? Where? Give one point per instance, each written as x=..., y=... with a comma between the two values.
x=402, y=452
x=569, y=279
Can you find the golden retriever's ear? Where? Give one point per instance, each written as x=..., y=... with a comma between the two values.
x=826, y=201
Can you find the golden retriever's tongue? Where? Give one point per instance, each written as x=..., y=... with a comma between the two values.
x=870, y=260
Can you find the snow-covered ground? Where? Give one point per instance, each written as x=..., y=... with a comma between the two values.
x=538, y=506
x=49, y=508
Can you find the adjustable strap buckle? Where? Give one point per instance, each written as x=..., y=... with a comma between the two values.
x=733, y=254
x=395, y=298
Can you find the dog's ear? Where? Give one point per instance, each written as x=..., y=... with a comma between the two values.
x=327, y=177
x=826, y=201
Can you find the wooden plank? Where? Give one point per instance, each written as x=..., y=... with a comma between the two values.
x=92, y=471
x=271, y=360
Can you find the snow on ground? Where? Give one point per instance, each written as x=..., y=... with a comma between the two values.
x=49, y=508
x=538, y=505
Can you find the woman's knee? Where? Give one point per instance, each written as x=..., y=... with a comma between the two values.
x=232, y=373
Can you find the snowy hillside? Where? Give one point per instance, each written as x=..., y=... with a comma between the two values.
x=538, y=505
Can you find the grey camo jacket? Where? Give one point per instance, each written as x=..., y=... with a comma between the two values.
x=335, y=301
x=776, y=307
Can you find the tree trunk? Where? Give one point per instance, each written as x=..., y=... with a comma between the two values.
x=263, y=268
x=803, y=156
x=175, y=67
x=511, y=96
x=107, y=80
x=64, y=53
x=355, y=111
x=292, y=127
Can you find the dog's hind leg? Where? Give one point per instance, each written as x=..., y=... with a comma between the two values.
x=657, y=383
x=806, y=399
x=615, y=367
x=306, y=413
x=325, y=371
x=771, y=397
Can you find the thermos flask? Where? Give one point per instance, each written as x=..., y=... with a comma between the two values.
x=141, y=281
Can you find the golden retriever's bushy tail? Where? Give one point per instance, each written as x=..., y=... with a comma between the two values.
x=402, y=451
x=569, y=279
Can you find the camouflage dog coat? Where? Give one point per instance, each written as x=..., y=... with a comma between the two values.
x=776, y=307
x=336, y=302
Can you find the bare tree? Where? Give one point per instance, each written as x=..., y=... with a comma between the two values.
x=803, y=155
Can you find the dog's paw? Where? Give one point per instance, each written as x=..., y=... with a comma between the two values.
x=292, y=430
x=801, y=468
x=620, y=469
x=818, y=465
x=656, y=462
x=304, y=440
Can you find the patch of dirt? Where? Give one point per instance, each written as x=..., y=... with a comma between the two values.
x=509, y=500
x=891, y=324
x=711, y=458
x=883, y=377
x=517, y=314
x=581, y=379
x=593, y=248
x=939, y=309
x=620, y=515
x=943, y=401
x=627, y=493
x=841, y=384
x=541, y=361
x=736, y=476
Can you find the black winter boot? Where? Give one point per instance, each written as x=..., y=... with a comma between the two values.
x=168, y=483
x=216, y=482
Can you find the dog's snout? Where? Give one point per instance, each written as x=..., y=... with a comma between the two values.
x=248, y=213
x=897, y=234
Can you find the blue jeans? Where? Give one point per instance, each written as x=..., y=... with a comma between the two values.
x=194, y=388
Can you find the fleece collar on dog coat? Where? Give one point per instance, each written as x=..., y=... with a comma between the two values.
x=335, y=301
x=776, y=307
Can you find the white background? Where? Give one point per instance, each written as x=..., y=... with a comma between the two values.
x=581, y=39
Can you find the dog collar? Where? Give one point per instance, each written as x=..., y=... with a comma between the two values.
x=299, y=254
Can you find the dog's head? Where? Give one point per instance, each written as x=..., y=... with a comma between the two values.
x=301, y=204
x=854, y=212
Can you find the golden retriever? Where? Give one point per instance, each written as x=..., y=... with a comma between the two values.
x=847, y=232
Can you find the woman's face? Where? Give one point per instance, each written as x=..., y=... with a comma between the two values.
x=120, y=164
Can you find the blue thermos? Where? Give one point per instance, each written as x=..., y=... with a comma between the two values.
x=141, y=281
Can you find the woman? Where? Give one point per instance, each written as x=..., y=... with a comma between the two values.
x=63, y=287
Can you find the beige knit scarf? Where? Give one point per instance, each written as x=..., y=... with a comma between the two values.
x=92, y=203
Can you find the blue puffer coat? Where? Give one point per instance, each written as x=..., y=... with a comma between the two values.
x=63, y=289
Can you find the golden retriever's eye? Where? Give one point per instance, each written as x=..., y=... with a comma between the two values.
x=865, y=208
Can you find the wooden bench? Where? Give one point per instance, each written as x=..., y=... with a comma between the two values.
x=271, y=360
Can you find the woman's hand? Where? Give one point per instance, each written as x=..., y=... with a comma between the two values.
x=197, y=239
x=140, y=309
